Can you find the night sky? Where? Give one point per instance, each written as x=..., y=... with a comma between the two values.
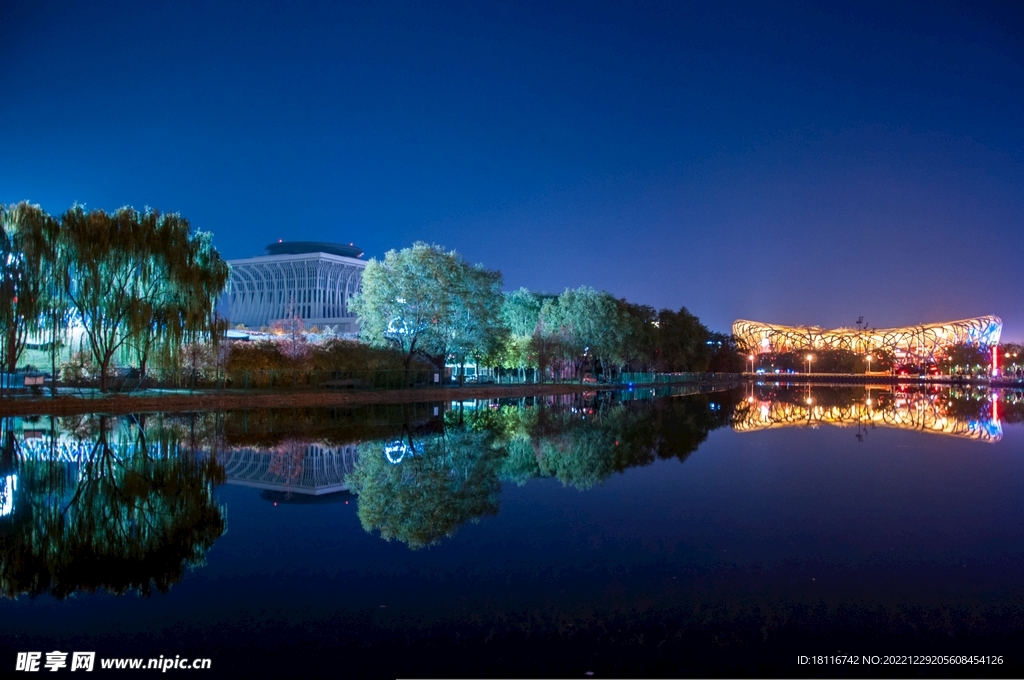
x=802, y=163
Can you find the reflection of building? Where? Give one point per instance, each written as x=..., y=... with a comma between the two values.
x=309, y=281
x=916, y=411
x=925, y=342
x=292, y=467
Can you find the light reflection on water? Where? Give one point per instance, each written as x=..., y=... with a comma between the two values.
x=950, y=412
x=764, y=514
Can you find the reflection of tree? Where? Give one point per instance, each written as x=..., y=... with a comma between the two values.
x=445, y=481
x=267, y=428
x=419, y=490
x=126, y=517
x=585, y=445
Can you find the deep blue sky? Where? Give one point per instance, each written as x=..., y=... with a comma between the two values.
x=786, y=162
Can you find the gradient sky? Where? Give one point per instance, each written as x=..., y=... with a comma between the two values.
x=802, y=163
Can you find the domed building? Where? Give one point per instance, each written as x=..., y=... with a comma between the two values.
x=306, y=280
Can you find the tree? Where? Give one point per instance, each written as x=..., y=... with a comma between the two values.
x=520, y=314
x=587, y=324
x=474, y=328
x=682, y=342
x=127, y=518
x=136, y=279
x=25, y=290
x=428, y=301
x=434, y=486
x=638, y=335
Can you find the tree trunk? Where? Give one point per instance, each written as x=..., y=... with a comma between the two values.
x=104, y=366
x=53, y=358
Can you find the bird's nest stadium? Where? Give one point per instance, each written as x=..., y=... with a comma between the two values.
x=926, y=342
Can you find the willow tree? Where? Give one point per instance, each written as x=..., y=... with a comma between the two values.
x=128, y=518
x=176, y=294
x=26, y=290
x=138, y=279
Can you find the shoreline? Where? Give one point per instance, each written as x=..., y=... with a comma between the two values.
x=880, y=379
x=119, y=404
x=178, y=402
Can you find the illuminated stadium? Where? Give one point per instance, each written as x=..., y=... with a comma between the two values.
x=923, y=343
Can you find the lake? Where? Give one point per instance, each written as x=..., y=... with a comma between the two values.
x=769, y=529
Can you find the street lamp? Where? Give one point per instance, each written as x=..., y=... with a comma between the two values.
x=751, y=357
x=869, y=358
x=810, y=358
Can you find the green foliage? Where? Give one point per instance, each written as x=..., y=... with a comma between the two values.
x=441, y=483
x=586, y=324
x=133, y=280
x=27, y=274
x=429, y=302
x=583, y=330
x=122, y=522
x=138, y=279
x=682, y=342
x=333, y=355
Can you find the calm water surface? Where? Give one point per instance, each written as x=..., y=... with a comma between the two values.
x=628, y=534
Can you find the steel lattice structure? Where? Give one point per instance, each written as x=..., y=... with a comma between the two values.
x=924, y=342
x=314, y=286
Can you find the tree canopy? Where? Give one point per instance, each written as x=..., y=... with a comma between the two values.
x=131, y=279
x=428, y=301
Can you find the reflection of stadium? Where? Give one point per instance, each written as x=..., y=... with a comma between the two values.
x=292, y=467
x=916, y=411
x=925, y=343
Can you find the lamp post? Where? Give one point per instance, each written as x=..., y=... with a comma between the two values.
x=810, y=358
x=869, y=358
x=751, y=357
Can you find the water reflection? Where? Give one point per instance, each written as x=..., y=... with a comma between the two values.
x=105, y=503
x=127, y=503
x=421, y=489
x=945, y=411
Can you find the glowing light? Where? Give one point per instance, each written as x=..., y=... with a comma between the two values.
x=924, y=341
x=7, y=489
x=396, y=452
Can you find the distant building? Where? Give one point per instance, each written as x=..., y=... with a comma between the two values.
x=297, y=280
x=925, y=342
